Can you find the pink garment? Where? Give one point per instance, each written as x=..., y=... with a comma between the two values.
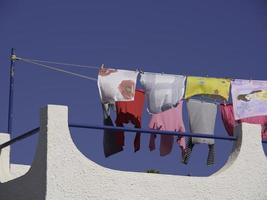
x=258, y=120
x=228, y=118
x=169, y=120
x=229, y=121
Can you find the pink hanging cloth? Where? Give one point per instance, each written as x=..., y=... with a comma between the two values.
x=169, y=120
x=229, y=121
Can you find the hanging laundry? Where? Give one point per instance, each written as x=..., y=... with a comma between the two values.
x=215, y=87
x=116, y=85
x=249, y=98
x=228, y=118
x=130, y=111
x=110, y=138
x=163, y=91
x=169, y=120
x=202, y=117
x=229, y=121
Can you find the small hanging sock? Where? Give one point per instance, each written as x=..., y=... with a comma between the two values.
x=137, y=139
x=188, y=151
x=211, y=155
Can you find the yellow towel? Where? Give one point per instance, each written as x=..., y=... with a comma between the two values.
x=207, y=86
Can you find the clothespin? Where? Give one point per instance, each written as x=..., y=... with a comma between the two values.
x=14, y=57
x=140, y=71
x=229, y=78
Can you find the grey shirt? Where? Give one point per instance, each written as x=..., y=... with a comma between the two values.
x=202, y=117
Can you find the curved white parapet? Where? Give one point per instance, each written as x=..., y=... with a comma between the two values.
x=5, y=159
x=17, y=170
x=61, y=171
x=9, y=171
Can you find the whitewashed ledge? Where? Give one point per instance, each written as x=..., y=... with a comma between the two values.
x=61, y=171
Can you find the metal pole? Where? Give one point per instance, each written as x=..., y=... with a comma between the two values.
x=112, y=128
x=11, y=90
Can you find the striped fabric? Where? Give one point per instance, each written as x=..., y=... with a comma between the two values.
x=189, y=148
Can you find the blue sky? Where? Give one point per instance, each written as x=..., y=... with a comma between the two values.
x=214, y=38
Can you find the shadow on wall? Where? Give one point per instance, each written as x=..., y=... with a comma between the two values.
x=31, y=185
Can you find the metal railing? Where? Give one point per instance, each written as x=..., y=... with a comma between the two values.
x=114, y=129
x=20, y=137
x=149, y=131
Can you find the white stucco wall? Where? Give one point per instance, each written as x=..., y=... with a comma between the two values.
x=60, y=171
x=5, y=159
x=17, y=170
x=9, y=171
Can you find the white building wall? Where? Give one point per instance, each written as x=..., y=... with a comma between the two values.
x=60, y=171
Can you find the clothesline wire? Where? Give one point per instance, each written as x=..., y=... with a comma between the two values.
x=61, y=63
x=58, y=69
x=93, y=66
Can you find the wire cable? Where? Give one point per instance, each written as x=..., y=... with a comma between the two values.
x=58, y=69
x=61, y=63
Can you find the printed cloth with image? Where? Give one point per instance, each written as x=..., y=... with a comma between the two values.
x=249, y=98
x=116, y=85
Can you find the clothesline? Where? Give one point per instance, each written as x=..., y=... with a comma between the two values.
x=58, y=69
x=60, y=63
x=94, y=67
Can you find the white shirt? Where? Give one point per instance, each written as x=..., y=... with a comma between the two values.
x=116, y=85
x=163, y=91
